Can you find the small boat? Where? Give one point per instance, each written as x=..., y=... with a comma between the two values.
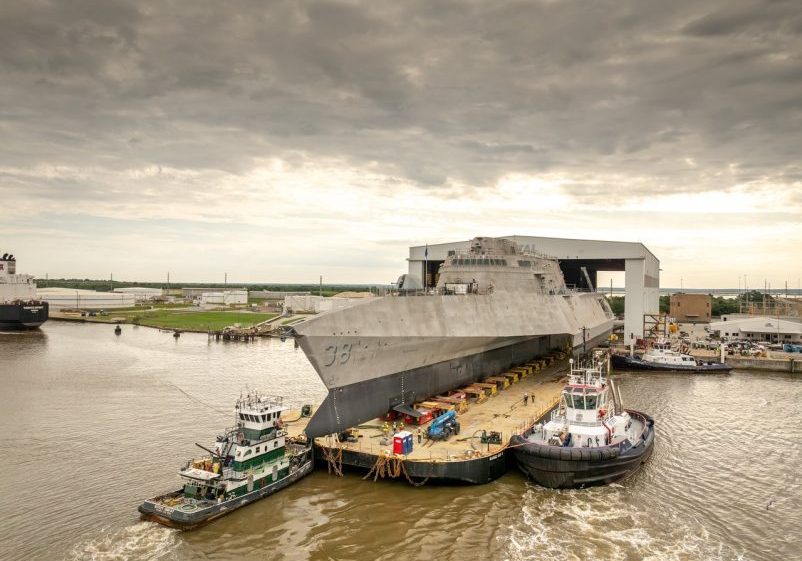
x=590, y=439
x=248, y=462
x=661, y=357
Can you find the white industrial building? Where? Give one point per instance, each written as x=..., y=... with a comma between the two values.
x=580, y=260
x=761, y=328
x=310, y=304
x=141, y=293
x=77, y=299
x=224, y=298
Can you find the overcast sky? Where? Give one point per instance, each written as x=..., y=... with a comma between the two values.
x=279, y=141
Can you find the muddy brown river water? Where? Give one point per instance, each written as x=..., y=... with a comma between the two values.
x=93, y=423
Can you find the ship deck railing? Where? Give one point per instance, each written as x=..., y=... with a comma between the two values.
x=479, y=292
x=468, y=252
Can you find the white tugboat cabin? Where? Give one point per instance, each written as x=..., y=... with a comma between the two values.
x=586, y=415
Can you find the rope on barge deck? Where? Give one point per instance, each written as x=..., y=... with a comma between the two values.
x=334, y=460
x=393, y=467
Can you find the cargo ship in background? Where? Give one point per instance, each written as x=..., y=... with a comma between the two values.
x=19, y=306
x=494, y=306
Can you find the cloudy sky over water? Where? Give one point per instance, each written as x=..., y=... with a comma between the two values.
x=279, y=141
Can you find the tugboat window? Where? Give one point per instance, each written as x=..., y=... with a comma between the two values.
x=590, y=401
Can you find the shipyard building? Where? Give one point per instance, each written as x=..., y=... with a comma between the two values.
x=77, y=299
x=691, y=308
x=762, y=329
x=141, y=293
x=580, y=262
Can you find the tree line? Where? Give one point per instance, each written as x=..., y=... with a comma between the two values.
x=719, y=304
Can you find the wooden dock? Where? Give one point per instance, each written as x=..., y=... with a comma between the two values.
x=460, y=458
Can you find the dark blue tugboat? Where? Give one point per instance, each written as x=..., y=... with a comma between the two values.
x=661, y=357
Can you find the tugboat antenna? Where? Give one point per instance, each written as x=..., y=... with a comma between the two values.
x=210, y=452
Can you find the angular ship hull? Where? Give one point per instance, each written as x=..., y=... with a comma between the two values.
x=396, y=351
x=23, y=315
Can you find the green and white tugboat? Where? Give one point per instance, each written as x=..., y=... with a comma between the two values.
x=248, y=462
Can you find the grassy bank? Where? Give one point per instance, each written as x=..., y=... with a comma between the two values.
x=185, y=319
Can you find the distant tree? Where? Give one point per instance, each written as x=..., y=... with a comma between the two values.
x=616, y=304
x=721, y=305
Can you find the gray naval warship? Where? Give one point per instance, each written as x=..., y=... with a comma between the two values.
x=494, y=306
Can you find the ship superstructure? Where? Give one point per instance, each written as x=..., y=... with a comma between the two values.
x=19, y=306
x=494, y=306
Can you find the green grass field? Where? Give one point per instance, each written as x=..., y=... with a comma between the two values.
x=193, y=320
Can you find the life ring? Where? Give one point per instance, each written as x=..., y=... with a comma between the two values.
x=279, y=423
x=602, y=413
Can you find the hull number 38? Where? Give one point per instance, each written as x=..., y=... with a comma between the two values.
x=339, y=354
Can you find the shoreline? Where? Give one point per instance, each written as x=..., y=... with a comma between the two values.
x=226, y=318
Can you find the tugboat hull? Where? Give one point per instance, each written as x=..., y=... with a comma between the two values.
x=183, y=518
x=559, y=467
x=626, y=362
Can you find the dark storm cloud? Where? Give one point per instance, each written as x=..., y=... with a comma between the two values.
x=428, y=91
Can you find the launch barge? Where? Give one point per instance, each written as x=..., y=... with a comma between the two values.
x=478, y=454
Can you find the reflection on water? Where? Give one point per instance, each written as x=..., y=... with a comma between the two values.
x=93, y=423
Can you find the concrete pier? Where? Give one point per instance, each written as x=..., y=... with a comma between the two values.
x=770, y=364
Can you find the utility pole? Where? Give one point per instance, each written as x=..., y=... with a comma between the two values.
x=746, y=291
x=321, y=285
x=111, y=282
x=225, y=279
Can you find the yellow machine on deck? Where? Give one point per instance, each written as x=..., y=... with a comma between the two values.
x=490, y=387
x=500, y=381
x=479, y=393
